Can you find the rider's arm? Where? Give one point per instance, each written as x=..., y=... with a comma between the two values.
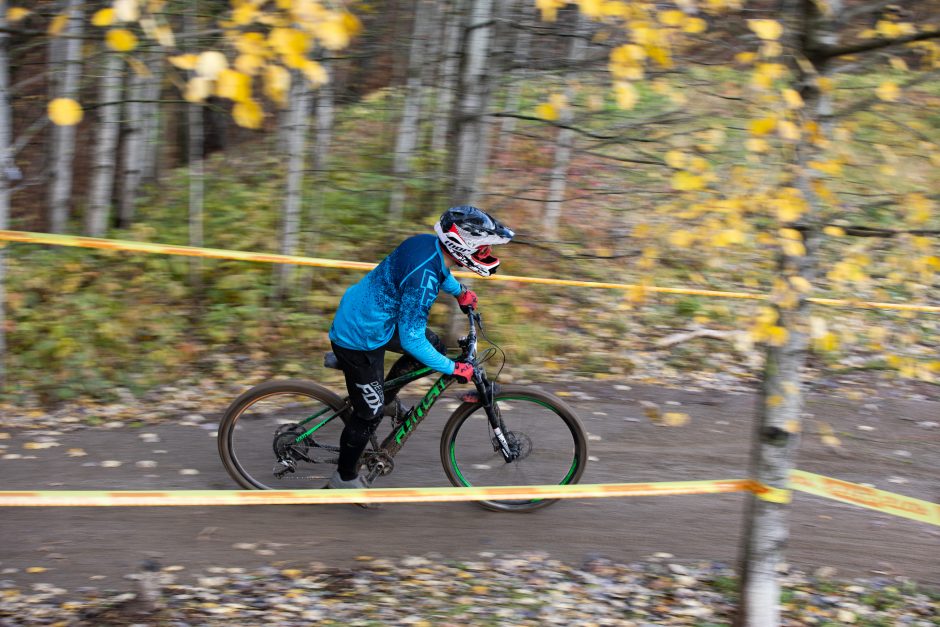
x=416, y=302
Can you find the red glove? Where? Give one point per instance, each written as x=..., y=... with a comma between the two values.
x=463, y=372
x=467, y=300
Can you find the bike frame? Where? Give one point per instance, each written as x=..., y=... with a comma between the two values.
x=395, y=440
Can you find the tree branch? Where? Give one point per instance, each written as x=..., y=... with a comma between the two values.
x=875, y=44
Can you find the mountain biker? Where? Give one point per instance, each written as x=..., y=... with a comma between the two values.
x=388, y=310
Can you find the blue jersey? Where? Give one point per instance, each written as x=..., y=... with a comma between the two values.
x=398, y=293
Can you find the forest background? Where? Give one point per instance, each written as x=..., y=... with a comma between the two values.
x=656, y=154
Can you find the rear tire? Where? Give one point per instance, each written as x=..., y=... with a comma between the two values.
x=547, y=432
x=248, y=426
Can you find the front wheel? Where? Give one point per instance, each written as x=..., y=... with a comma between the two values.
x=546, y=434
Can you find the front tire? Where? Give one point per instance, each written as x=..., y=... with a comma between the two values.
x=548, y=435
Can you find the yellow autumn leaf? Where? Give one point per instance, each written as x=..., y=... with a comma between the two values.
x=788, y=130
x=549, y=9
x=762, y=126
x=793, y=248
x=103, y=17
x=771, y=49
x=65, y=112
x=675, y=159
x=210, y=63
x=289, y=41
x=777, y=336
x=834, y=231
x=315, y=72
x=674, y=419
x=766, y=29
x=184, y=61
x=680, y=238
x=244, y=14
x=793, y=98
x=591, y=8
x=546, y=111
x=121, y=40
x=276, y=83
x=36, y=569
x=57, y=25
x=687, y=182
x=248, y=64
x=888, y=91
x=164, y=36
x=800, y=284
x=233, y=85
x=197, y=89
x=332, y=34
x=626, y=95
x=248, y=114
x=745, y=58
x=671, y=17
x=15, y=14
x=774, y=400
x=695, y=25
x=756, y=144
x=127, y=10
x=832, y=168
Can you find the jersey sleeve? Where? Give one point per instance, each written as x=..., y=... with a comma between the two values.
x=451, y=285
x=419, y=292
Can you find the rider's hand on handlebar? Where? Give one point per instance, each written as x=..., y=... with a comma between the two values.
x=467, y=300
x=463, y=372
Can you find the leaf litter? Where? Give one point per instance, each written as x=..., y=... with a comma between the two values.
x=527, y=589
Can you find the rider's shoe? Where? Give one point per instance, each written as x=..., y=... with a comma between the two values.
x=336, y=482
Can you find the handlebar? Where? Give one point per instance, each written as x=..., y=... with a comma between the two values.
x=469, y=343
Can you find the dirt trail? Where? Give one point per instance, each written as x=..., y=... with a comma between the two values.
x=887, y=443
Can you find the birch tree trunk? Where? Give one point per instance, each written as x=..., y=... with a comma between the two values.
x=781, y=402
x=195, y=139
x=63, y=137
x=564, y=141
x=299, y=109
x=473, y=100
x=407, y=138
x=150, y=151
x=133, y=150
x=324, y=122
x=517, y=74
x=105, y=149
x=195, y=153
x=323, y=110
x=6, y=163
x=449, y=74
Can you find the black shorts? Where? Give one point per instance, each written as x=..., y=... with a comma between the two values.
x=365, y=374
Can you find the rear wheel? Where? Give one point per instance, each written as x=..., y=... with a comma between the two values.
x=545, y=432
x=258, y=433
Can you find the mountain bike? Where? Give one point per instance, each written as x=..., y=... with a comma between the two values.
x=284, y=434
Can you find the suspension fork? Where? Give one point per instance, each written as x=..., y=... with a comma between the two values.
x=485, y=394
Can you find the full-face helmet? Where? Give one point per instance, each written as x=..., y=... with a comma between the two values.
x=467, y=233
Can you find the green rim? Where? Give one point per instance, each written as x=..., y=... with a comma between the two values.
x=467, y=484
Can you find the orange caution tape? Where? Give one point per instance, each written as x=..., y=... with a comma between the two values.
x=865, y=496
x=218, y=253
x=102, y=498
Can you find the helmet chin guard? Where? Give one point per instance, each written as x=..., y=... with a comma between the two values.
x=467, y=234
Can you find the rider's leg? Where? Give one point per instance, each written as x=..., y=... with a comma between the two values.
x=363, y=371
x=406, y=363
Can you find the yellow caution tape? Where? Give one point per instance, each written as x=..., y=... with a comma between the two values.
x=864, y=496
x=218, y=253
x=772, y=494
x=122, y=498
